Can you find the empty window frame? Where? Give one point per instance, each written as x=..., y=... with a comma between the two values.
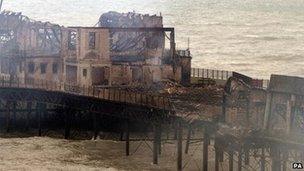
x=43, y=68
x=84, y=72
x=72, y=40
x=92, y=40
x=31, y=67
x=6, y=35
x=55, y=68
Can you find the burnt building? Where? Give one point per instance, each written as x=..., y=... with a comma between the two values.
x=125, y=49
x=29, y=49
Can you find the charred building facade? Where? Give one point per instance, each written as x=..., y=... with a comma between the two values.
x=29, y=49
x=125, y=49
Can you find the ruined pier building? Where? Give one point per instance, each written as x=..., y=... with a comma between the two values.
x=124, y=49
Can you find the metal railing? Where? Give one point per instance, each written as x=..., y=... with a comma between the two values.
x=210, y=73
x=110, y=94
x=224, y=75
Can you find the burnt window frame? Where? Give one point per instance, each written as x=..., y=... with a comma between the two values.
x=43, y=68
x=92, y=40
x=31, y=67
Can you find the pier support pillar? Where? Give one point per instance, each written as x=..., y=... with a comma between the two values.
x=179, y=146
x=240, y=160
x=230, y=153
x=96, y=120
x=38, y=115
x=155, y=144
x=205, y=149
x=28, y=114
x=8, y=116
x=67, y=123
x=14, y=110
x=159, y=133
x=275, y=157
x=127, y=130
x=263, y=160
x=217, y=155
x=188, y=139
x=247, y=155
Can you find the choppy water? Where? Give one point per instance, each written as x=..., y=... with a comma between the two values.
x=256, y=37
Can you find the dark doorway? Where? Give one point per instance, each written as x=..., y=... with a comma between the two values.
x=100, y=76
x=71, y=74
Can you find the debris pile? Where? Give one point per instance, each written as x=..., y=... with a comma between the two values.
x=191, y=103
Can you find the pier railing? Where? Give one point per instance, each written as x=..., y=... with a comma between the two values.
x=110, y=94
x=210, y=73
x=224, y=75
